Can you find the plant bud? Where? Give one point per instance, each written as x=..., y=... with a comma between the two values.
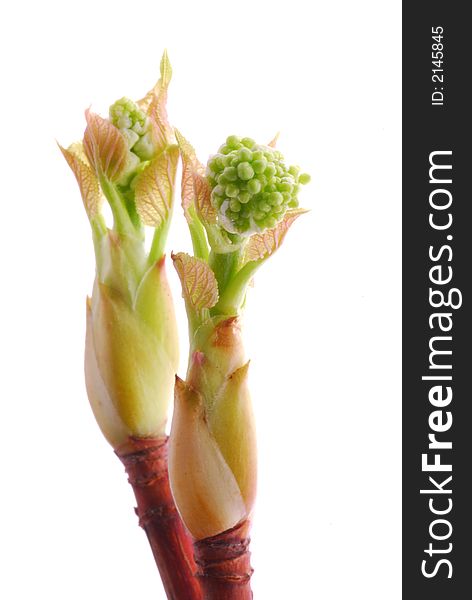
x=204, y=488
x=212, y=442
x=131, y=357
x=232, y=424
x=217, y=351
x=252, y=187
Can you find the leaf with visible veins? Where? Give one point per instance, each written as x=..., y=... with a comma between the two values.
x=195, y=188
x=105, y=146
x=199, y=285
x=154, y=188
x=86, y=178
x=154, y=104
x=262, y=245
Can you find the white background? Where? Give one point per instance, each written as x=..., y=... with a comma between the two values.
x=322, y=324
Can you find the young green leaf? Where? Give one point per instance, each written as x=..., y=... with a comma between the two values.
x=262, y=245
x=105, y=146
x=161, y=129
x=154, y=104
x=199, y=286
x=188, y=153
x=166, y=70
x=195, y=188
x=203, y=198
x=161, y=86
x=190, y=165
x=154, y=188
x=86, y=178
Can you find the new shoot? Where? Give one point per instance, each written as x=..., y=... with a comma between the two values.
x=129, y=160
x=239, y=209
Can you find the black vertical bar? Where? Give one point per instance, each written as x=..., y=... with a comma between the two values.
x=441, y=127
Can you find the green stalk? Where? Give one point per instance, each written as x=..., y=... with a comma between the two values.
x=224, y=266
x=232, y=298
x=122, y=222
x=159, y=240
x=198, y=235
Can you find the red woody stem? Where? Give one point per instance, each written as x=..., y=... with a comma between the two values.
x=145, y=461
x=224, y=567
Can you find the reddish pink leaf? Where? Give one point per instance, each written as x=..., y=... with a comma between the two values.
x=262, y=245
x=195, y=188
x=105, y=147
x=154, y=188
x=199, y=286
x=88, y=184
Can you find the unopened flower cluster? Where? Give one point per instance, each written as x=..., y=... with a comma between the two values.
x=135, y=126
x=252, y=187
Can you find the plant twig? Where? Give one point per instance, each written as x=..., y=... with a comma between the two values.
x=224, y=566
x=145, y=461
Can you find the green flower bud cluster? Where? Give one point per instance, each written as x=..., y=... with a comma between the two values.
x=252, y=187
x=135, y=126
